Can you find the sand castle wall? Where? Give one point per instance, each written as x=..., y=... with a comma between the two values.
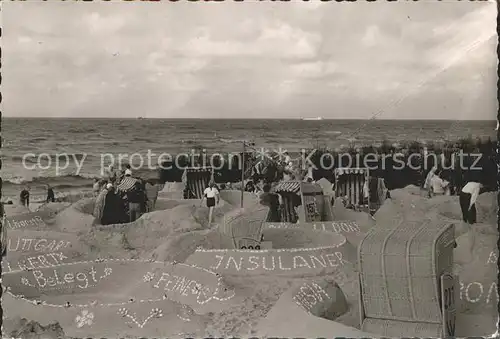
x=288, y=262
x=115, y=282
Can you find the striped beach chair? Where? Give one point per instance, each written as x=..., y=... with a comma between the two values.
x=196, y=181
x=350, y=183
x=126, y=184
x=406, y=283
x=312, y=204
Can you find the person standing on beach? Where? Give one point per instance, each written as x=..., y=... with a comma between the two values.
x=111, y=174
x=152, y=194
x=438, y=185
x=25, y=197
x=211, y=193
x=134, y=202
x=97, y=187
x=50, y=194
x=468, y=197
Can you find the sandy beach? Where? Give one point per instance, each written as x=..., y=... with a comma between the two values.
x=168, y=264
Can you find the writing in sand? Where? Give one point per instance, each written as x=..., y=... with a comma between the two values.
x=335, y=226
x=310, y=295
x=270, y=262
x=64, y=277
x=36, y=245
x=25, y=220
x=180, y=286
x=45, y=260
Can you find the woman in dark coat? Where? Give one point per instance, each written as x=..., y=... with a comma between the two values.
x=272, y=201
x=111, y=213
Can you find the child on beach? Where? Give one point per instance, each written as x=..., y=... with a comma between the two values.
x=50, y=194
x=152, y=194
x=25, y=197
x=211, y=194
x=134, y=202
x=97, y=187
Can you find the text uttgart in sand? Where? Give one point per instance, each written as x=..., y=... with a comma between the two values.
x=36, y=245
x=278, y=262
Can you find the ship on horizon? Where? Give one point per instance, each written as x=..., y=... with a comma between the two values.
x=317, y=118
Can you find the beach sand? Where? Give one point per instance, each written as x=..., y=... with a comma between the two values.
x=128, y=298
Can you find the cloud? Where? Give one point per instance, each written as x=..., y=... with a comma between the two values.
x=248, y=59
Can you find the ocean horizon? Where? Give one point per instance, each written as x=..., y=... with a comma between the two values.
x=87, y=139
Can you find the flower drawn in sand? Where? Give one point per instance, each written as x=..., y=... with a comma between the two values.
x=148, y=277
x=107, y=272
x=86, y=318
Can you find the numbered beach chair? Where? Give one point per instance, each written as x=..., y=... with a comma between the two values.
x=195, y=181
x=405, y=283
x=246, y=228
x=350, y=184
x=312, y=205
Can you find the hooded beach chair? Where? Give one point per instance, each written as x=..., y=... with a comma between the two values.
x=312, y=205
x=246, y=227
x=350, y=184
x=405, y=278
x=195, y=181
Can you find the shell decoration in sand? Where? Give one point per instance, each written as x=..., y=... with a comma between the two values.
x=85, y=318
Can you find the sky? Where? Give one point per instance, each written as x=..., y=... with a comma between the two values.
x=398, y=60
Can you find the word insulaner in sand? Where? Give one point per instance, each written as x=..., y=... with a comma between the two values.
x=67, y=279
x=279, y=263
x=37, y=245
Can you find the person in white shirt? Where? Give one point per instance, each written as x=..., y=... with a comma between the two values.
x=211, y=194
x=468, y=197
x=438, y=185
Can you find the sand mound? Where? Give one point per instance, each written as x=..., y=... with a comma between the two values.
x=320, y=297
x=12, y=210
x=233, y=197
x=33, y=330
x=486, y=207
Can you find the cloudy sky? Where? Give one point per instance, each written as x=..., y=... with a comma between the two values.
x=408, y=60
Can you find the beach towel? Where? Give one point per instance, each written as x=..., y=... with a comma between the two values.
x=99, y=204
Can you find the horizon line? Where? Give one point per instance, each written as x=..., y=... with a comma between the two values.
x=284, y=118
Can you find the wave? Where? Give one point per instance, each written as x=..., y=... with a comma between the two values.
x=68, y=180
x=17, y=180
x=53, y=157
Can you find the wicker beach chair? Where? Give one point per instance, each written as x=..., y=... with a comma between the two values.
x=350, y=183
x=401, y=265
x=246, y=227
x=312, y=204
x=196, y=181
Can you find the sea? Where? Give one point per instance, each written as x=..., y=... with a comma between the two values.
x=67, y=153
